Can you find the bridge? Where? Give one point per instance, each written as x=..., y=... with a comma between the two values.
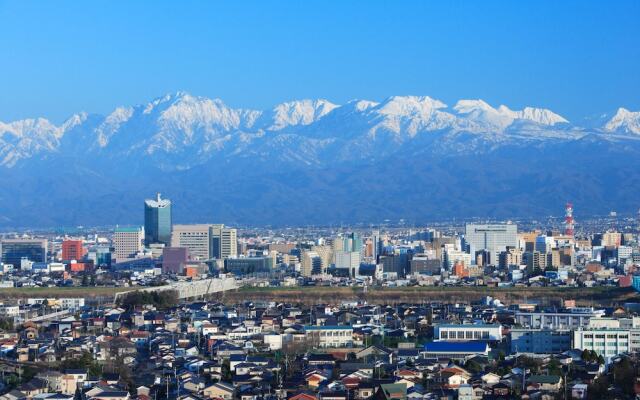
x=193, y=289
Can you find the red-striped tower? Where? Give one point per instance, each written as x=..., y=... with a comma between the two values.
x=569, y=222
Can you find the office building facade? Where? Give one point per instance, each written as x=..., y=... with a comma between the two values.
x=224, y=242
x=248, y=265
x=573, y=319
x=540, y=341
x=468, y=332
x=14, y=250
x=72, y=250
x=195, y=237
x=349, y=260
x=206, y=241
x=352, y=243
x=310, y=264
x=605, y=342
x=495, y=238
x=127, y=242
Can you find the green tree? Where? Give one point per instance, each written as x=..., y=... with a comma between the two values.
x=473, y=366
x=598, y=389
x=161, y=300
x=554, y=367
x=12, y=381
x=226, y=370
x=624, y=375
x=86, y=361
x=6, y=324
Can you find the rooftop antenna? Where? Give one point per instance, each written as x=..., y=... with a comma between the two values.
x=569, y=222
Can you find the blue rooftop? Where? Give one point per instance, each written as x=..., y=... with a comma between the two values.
x=456, y=347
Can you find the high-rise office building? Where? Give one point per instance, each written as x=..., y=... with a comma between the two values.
x=491, y=237
x=510, y=257
x=352, y=242
x=224, y=242
x=310, y=263
x=14, y=250
x=157, y=221
x=206, y=241
x=349, y=260
x=326, y=255
x=195, y=237
x=72, y=250
x=544, y=244
x=128, y=242
x=100, y=255
x=375, y=245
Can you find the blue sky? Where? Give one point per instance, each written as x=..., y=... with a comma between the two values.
x=577, y=58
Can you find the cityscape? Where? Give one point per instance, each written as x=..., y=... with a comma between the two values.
x=317, y=200
x=479, y=310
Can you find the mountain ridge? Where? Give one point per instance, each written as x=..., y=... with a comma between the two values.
x=313, y=161
x=205, y=126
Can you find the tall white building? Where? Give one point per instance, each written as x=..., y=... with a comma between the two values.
x=128, y=242
x=348, y=260
x=224, y=242
x=491, y=237
x=194, y=237
x=624, y=254
x=206, y=241
x=450, y=256
x=606, y=342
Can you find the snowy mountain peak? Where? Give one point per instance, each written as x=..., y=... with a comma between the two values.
x=299, y=112
x=469, y=106
x=309, y=131
x=410, y=105
x=362, y=105
x=72, y=122
x=187, y=111
x=479, y=113
x=411, y=114
x=624, y=121
x=541, y=116
x=29, y=127
x=112, y=123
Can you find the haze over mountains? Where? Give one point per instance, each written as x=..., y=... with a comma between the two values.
x=315, y=162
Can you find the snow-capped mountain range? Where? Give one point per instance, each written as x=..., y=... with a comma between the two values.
x=307, y=131
x=315, y=162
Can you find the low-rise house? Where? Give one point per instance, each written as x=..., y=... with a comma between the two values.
x=548, y=383
x=391, y=391
x=220, y=390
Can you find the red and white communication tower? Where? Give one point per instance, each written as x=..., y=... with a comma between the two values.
x=569, y=222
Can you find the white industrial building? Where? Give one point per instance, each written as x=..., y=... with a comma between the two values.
x=467, y=332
